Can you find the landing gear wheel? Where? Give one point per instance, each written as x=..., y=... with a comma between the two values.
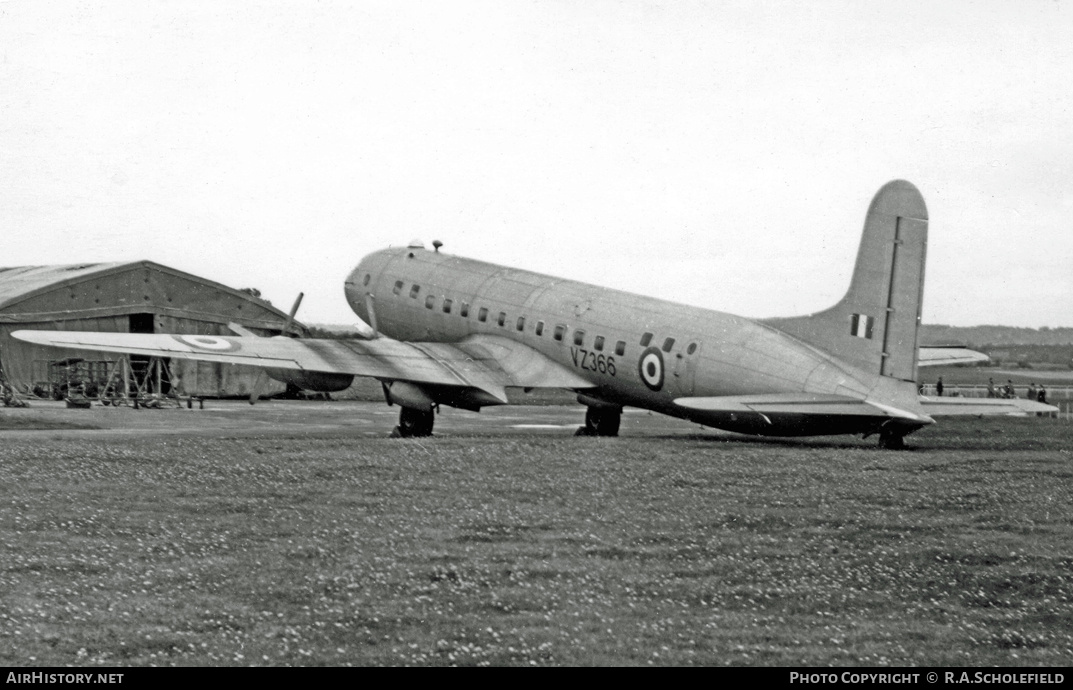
x=413, y=423
x=601, y=421
x=891, y=440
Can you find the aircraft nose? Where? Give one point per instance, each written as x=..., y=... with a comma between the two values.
x=356, y=285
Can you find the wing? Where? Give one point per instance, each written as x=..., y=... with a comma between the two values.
x=945, y=407
x=487, y=363
x=935, y=355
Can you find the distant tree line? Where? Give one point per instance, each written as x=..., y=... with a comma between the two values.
x=980, y=336
x=1030, y=356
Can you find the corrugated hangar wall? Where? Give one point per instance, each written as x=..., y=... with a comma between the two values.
x=138, y=297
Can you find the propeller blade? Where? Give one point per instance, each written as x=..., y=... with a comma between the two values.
x=258, y=386
x=372, y=315
x=290, y=317
x=241, y=330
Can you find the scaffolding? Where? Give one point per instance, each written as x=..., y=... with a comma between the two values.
x=141, y=382
x=136, y=381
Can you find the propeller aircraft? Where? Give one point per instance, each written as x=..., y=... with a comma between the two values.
x=452, y=331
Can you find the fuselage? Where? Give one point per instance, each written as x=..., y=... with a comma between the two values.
x=635, y=350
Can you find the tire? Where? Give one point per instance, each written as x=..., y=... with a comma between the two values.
x=414, y=423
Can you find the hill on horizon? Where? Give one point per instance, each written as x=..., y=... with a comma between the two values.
x=931, y=334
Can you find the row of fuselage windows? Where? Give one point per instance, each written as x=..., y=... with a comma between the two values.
x=559, y=332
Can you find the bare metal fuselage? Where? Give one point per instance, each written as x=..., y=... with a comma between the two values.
x=712, y=354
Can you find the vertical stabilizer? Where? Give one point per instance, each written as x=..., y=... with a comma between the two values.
x=876, y=325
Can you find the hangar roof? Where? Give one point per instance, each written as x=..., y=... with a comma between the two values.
x=20, y=283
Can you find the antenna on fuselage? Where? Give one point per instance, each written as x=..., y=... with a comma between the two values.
x=436, y=244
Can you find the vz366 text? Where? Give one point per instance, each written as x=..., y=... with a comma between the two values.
x=591, y=361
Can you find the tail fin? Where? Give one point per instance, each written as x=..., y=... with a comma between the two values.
x=875, y=326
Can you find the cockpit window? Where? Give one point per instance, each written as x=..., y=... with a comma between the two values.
x=398, y=287
x=414, y=290
x=646, y=339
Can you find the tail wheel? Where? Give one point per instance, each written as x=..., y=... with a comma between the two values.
x=414, y=423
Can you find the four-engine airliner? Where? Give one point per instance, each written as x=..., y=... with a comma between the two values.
x=459, y=332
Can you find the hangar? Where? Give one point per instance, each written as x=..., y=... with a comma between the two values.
x=133, y=297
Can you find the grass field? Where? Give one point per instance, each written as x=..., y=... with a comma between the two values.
x=660, y=548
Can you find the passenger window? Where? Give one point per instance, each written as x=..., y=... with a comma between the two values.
x=447, y=305
x=646, y=339
x=620, y=348
x=414, y=290
x=579, y=337
x=463, y=310
x=560, y=331
x=598, y=344
x=482, y=315
x=429, y=301
x=398, y=287
x=521, y=323
x=502, y=318
x=668, y=344
x=540, y=328
x=691, y=349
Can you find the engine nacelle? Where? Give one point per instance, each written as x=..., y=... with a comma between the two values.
x=318, y=381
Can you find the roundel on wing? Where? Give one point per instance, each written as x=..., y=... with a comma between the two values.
x=208, y=343
x=650, y=367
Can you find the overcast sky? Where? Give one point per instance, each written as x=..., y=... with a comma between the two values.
x=720, y=154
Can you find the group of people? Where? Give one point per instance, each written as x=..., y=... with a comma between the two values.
x=1039, y=394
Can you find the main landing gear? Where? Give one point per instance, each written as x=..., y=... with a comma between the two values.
x=413, y=423
x=892, y=439
x=601, y=421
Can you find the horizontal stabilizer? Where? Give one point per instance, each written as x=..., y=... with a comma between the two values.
x=801, y=404
x=945, y=407
x=936, y=355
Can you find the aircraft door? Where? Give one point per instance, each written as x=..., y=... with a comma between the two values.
x=685, y=368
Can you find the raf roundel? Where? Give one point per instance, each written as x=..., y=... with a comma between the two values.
x=651, y=368
x=207, y=342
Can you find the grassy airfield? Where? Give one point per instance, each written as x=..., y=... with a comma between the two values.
x=236, y=536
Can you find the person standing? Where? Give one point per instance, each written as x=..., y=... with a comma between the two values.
x=991, y=388
x=939, y=387
x=1032, y=391
x=1041, y=394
